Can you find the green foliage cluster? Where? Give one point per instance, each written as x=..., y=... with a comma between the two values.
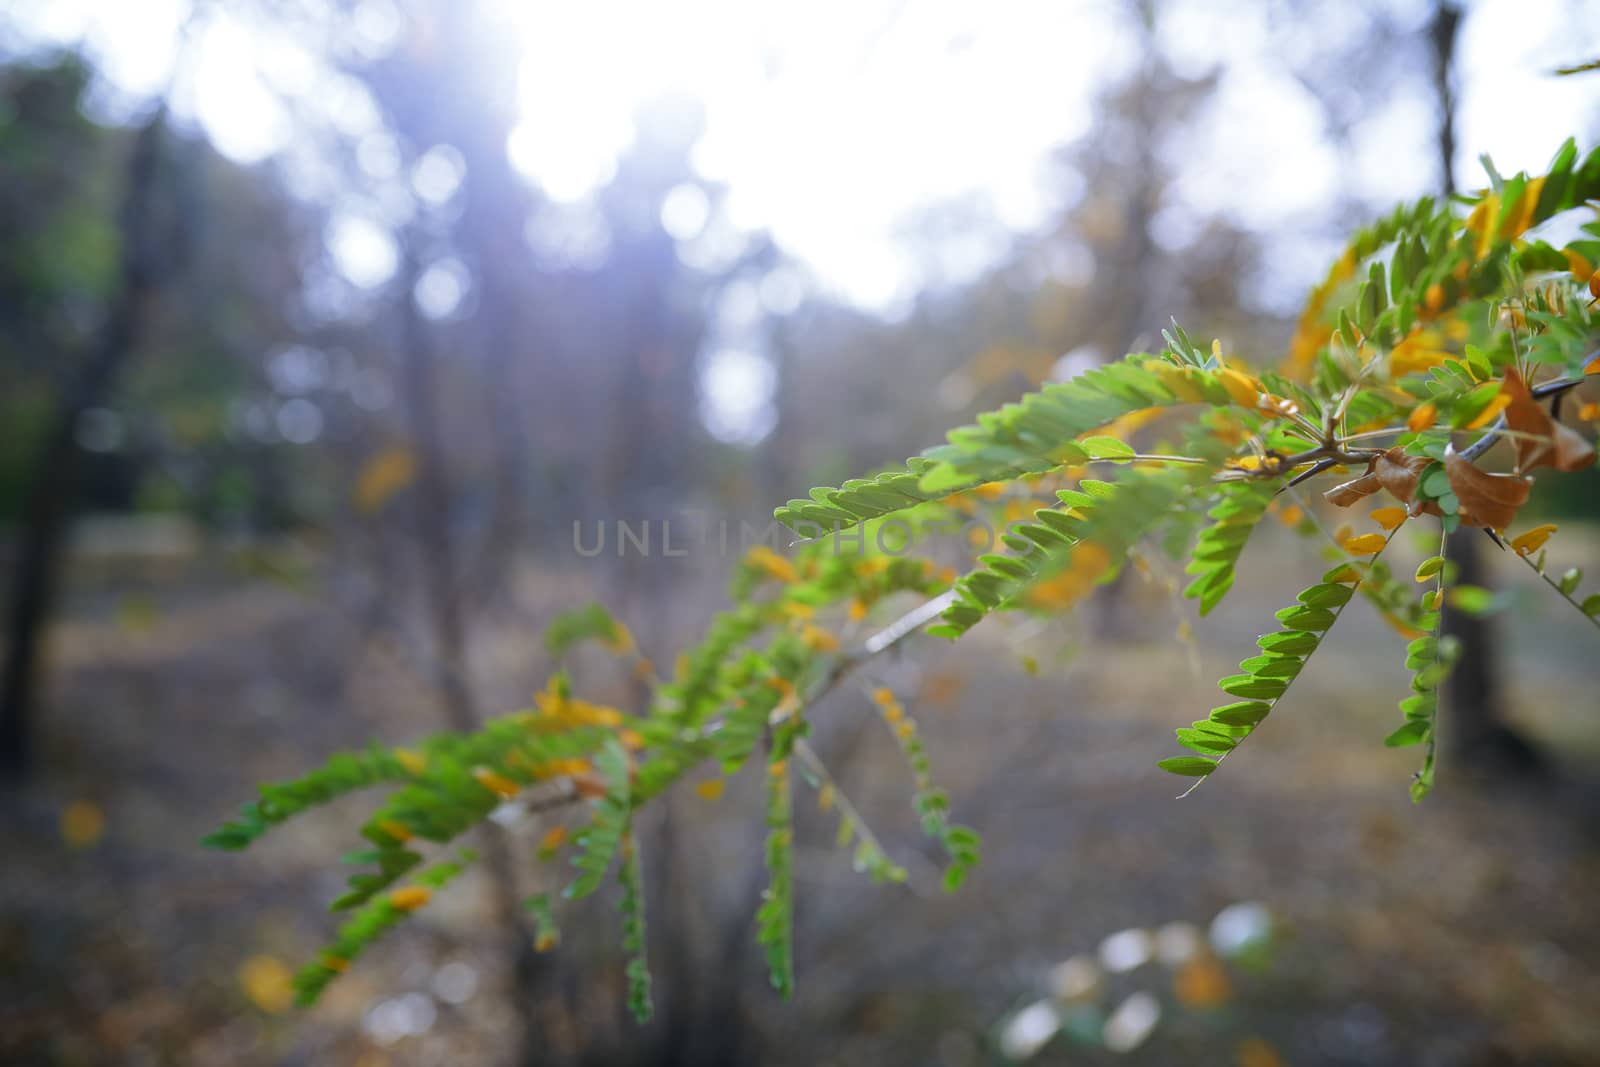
x=1442, y=333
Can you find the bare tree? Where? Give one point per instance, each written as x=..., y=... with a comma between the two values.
x=152, y=249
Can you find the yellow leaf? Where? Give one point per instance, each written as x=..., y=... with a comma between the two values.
x=818, y=639
x=711, y=788
x=546, y=941
x=1589, y=412
x=1291, y=515
x=395, y=829
x=1388, y=518
x=82, y=824
x=268, y=983
x=621, y=639
x=495, y=782
x=1490, y=412
x=553, y=839
x=382, y=476
x=1178, y=381
x=1581, y=267
x=1242, y=388
x=765, y=559
x=1030, y=665
x=1422, y=416
x=1534, y=539
x=825, y=797
x=410, y=898
x=1364, y=545
x=1433, y=299
x=883, y=696
x=1345, y=574
x=411, y=761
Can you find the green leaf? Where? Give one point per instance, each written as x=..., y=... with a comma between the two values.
x=1213, y=744
x=631, y=905
x=1471, y=599
x=1253, y=686
x=1303, y=618
x=1107, y=448
x=1188, y=766
x=1412, y=732
x=1326, y=595
x=1242, y=713
x=1288, y=642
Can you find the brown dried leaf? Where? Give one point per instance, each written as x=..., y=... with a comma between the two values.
x=1394, y=470
x=1489, y=500
x=1347, y=493
x=1398, y=472
x=1547, y=443
x=1573, y=451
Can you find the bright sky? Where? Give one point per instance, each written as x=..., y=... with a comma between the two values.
x=832, y=121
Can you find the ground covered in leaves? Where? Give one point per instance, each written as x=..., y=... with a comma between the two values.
x=1460, y=931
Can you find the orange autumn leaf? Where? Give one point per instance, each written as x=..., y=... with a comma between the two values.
x=1489, y=500
x=711, y=788
x=1202, y=983
x=1422, y=417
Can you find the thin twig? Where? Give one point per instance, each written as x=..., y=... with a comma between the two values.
x=1593, y=620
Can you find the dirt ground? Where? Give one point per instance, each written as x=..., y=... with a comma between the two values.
x=1460, y=931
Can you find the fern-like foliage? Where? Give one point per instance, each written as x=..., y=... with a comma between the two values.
x=775, y=918
x=1443, y=331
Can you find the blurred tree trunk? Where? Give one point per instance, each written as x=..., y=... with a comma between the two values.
x=441, y=579
x=145, y=256
x=1473, y=696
